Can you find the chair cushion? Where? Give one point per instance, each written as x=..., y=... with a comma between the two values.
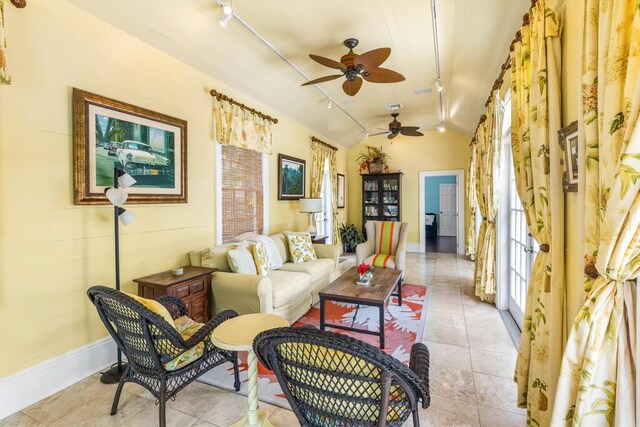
x=261, y=258
x=387, y=236
x=186, y=327
x=300, y=247
x=241, y=259
x=155, y=307
x=381, y=261
x=317, y=269
x=288, y=285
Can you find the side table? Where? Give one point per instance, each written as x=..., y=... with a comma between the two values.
x=237, y=334
x=193, y=287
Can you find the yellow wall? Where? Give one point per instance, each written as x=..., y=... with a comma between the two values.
x=433, y=152
x=574, y=219
x=51, y=251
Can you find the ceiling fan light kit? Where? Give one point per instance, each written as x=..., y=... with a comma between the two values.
x=356, y=68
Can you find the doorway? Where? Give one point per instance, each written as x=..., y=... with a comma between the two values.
x=441, y=212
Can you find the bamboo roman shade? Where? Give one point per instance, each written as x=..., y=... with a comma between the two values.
x=242, y=192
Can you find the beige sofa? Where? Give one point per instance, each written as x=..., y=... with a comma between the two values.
x=289, y=291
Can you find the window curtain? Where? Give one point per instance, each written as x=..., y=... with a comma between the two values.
x=597, y=377
x=535, y=120
x=321, y=152
x=471, y=202
x=5, y=78
x=241, y=128
x=488, y=160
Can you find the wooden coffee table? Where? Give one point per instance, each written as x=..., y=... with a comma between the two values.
x=345, y=289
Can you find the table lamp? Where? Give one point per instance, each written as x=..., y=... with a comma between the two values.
x=312, y=206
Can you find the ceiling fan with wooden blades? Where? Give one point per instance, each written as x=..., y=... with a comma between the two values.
x=358, y=67
x=396, y=128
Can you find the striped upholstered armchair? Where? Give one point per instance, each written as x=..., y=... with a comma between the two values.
x=385, y=246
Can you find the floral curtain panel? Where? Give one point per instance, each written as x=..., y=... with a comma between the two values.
x=321, y=152
x=241, y=128
x=5, y=78
x=535, y=119
x=488, y=160
x=471, y=202
x=597, y=378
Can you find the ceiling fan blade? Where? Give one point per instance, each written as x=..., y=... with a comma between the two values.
x=410, y=132
x=373, y=58
x=392, y=135
x=352, y=87
x=321, y=80
x=327, y=62
x=383, y=75
x=379, y=133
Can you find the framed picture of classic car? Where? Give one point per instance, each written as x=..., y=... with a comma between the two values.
x=291, y=172
x=149, y=146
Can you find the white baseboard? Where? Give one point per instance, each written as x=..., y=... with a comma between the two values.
x=26, y=387
x=414, y=247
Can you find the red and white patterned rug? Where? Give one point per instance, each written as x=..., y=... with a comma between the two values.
x=404, y=326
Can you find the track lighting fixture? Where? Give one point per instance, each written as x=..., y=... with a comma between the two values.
x=440, y=127
x=439, y=85
x=227, y=12
x=330, y=104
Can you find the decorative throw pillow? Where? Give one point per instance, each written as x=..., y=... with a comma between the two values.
x=275, y=259
x=241, y=259
x=301, y=247
x=261, y=257
x=217, y=257
x=154, y=306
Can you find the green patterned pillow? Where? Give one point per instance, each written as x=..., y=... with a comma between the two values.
x=301, y=247
x=261, y=257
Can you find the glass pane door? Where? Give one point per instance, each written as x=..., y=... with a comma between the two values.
x=390, y=198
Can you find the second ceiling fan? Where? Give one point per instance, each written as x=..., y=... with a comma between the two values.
x=396, y=128
x=358, y=67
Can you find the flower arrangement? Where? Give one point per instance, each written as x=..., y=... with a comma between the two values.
x=374, y=160
x=365, y=272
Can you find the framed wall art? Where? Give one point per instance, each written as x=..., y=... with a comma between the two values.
x=149, y=146
x=568, y=139
x=291, y=177
x=341, y=191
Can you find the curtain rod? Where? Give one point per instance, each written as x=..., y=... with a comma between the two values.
x=19, y=3
x=220, y=96
x=314, y=139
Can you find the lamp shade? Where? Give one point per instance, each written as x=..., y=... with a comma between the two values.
x=125, y=180
x=311, y=205
x=125, y=216
x=116, y=196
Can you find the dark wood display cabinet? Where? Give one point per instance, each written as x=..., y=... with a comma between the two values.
x=381, y=197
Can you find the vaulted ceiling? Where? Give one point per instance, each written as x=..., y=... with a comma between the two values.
x=474, y=37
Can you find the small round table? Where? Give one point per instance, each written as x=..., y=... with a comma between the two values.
x=237, y=334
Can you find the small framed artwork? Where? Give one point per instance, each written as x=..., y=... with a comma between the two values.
x=291, y=181
x=568, y=138
x=341, y=191
x=149, y=146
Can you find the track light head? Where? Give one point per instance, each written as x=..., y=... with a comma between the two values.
x=441, y=127
x=439, y=85
x=330, y=104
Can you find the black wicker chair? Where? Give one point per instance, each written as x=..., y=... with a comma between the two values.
x=332, y=380
x=149, y=342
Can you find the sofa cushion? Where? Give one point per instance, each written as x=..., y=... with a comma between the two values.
x=217, y=257
x=381, y=261
x=317, y=268
x=241, y=259
x=261, y=258
x=288, y=285
x=274, y=255
x=280, y=240
x=300, y=247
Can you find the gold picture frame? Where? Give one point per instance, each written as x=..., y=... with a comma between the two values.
x=568, y=139
x=150, y=146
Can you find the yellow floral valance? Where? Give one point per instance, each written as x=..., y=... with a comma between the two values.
x=4, y=71
x=241, y=128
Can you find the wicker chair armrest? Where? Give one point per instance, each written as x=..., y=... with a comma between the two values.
x=419, y=363
x=204, y=332
x=175, y=305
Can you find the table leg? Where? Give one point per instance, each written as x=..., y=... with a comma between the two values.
x=254, y=417
x=322, y=302
x=381, y=307
x=400, y=292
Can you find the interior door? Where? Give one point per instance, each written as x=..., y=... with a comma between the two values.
x=448, y=209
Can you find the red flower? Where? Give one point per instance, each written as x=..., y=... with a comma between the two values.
x=364, y=268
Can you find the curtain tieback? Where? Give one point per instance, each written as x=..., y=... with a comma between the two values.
x=490, y=221
x=544, y=248
x=591, y=271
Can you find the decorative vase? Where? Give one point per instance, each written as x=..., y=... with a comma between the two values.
x=365, y=278
x=375, y=167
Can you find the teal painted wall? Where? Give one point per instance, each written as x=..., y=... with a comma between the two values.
x=432, y=192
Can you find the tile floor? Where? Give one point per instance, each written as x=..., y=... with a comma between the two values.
x=472, y=362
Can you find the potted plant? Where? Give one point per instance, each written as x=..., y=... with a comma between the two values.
x=351, y=237
x=374, y=160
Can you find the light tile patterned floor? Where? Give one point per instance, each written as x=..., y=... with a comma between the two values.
x=472, y=362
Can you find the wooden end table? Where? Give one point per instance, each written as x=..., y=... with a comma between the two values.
x=193, y=287
x=345, y=289
x=237, y=334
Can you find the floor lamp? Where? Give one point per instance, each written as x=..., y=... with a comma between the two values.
x=118, y=196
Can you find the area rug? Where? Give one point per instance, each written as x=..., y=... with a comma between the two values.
x=404, y=326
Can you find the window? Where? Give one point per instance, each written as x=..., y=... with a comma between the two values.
x=241, y=199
